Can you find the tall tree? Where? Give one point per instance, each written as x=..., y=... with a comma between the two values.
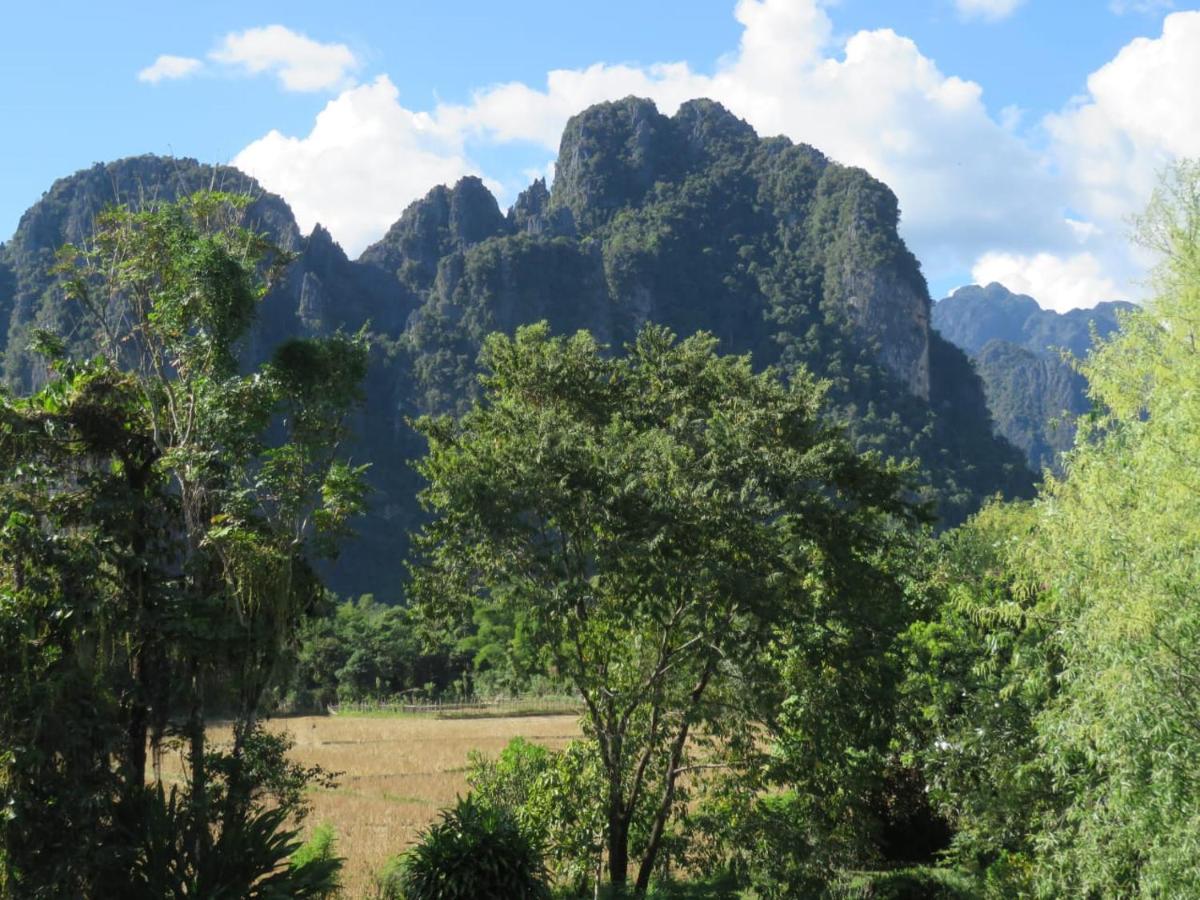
x=1119, y=547
x=180, y=501
x=1063, y=686
x=660, y=519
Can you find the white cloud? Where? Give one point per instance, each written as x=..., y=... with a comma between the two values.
x=987, y=10
x=963, y=179
x=1055, y=281
x=169, y=68
x=1107, y=149
x=975, y=193
x=300, y=63
x=1140, y=113
x=365, y=159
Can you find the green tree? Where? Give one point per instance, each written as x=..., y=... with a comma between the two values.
x=365, y=650
x=556, y=797
x=1119, y=547
x=1060, y=705
x=162, y=509
x=979, y=673
x=661, y=520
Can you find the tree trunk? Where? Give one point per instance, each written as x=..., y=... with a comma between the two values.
x=668, y=795
x=618, y=838
x=199, y=799
x=660, y=818
x=135, y=740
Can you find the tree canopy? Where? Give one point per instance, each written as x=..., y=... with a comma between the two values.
x=671, y=525
x=1062, y=681
x=162, y=510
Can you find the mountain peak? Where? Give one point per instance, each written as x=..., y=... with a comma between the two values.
x=66, y=211
x=708, y=128
x=610, y=155
x=973, y=315
x=445, y=220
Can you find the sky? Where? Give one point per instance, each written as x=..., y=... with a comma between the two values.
x=1021, y=136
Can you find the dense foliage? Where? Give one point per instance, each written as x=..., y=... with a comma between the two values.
x=679, y=532
x=475, y=852
x=363, y=650
x=1059, y=686
x=155, y=563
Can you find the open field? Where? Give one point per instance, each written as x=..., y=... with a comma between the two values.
x=398, y=773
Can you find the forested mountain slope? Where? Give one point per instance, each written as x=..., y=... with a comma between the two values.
x=691, y=220
x=1034, y=394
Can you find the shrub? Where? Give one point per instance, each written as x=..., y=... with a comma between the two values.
x=556, y=798
x=476, y=852
x=252, y=856
x=319, y=853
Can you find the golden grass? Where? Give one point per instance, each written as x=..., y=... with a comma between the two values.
x=397, y=774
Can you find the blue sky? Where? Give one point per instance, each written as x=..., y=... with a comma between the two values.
x=1018, y=134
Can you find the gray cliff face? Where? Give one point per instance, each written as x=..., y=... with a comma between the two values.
x=888, y=304
x=315, y=309
x=896, y=318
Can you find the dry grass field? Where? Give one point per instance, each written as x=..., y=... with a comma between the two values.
x=397, y=773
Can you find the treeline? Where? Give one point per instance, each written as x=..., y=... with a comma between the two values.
x=362, y=650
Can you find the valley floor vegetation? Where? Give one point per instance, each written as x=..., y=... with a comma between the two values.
x=792, y=685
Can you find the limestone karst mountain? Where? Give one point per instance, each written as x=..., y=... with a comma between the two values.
x=691, y=220
x=1034, y=393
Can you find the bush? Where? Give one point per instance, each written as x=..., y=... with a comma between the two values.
x=476, y=852
x=555, y=796
x=252, y=856
x=915, y=883
x=387, y=880
x=319, y=854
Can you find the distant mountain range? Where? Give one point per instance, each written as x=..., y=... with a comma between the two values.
x=690, y=220
x=1035, y=395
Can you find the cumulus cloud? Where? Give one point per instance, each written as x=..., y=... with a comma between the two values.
x=975, y=193
x=169, y=68
x=300, y=63
x=987, y=10
x=1139, y=114
x=964, y=180
x=365, y=159
x=1107, y=149
x=1056, y=282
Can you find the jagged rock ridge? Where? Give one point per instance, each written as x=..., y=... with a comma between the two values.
x=690, y=220
x=1033, y=391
